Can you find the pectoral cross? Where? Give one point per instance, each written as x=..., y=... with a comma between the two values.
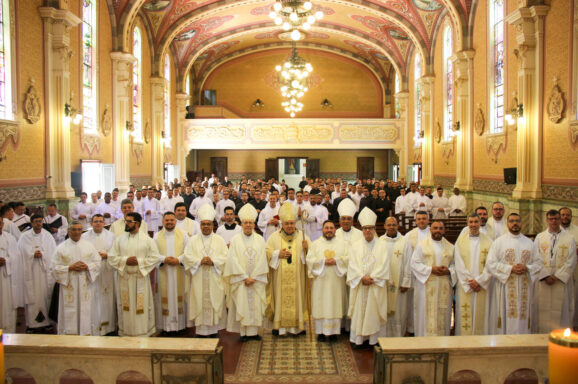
x=397, y=254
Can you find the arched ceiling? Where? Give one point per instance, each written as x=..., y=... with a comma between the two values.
x=202, y=34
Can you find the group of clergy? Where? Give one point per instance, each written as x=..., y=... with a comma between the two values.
x=187, y=276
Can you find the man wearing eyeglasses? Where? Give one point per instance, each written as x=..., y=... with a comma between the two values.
x=495, y=226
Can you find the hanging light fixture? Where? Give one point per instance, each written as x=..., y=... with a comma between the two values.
x=291, y=15
x=293, y=75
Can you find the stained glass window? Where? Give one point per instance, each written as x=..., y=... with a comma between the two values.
x=397, y=89
x=137, y=88
x=417, y=102
x=448, y=84
x=89, y=84
x=6, y=111
x=497, y=55
x=188, y=85
x=167, y=97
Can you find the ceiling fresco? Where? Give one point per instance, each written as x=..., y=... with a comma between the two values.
x=202, y=34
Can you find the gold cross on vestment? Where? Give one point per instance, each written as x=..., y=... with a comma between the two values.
x=484, y=252
x=397, y=253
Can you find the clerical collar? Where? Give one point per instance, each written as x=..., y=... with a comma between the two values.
x=555, y=233
x=230, y=227
x=394, y=237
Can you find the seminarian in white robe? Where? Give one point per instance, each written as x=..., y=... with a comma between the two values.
x=77, y=302
x=37, y=280
x=10, y=286
x=134, y=295
x=511, y=300
x=554, y=304
x=61, y=231
x=457, y=204
x=228, y=231
x=440, y=207
x=433, y=293
x=319, y=215
x=170, y=279
x=204, y=261
x=398, y=253
x=152, y=214
x=246, y=260
x=472, y=308
x=328, y=292
x=367, y=275
x=269, y=220
x=106, y=296
x=189, y=227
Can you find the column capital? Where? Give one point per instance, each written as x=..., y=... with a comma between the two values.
x=182, y=96
x=158, y=80
x=524, y=20
x=122, y=57
x=63, y=16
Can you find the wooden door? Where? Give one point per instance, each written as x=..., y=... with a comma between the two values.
x=312, y=169
x=219, y=167
x=271, y=169
x=365, y=167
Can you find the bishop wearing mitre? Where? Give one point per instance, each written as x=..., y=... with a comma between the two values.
x=246, y=273
x=204, y=260
x=287, y=293
x=367, y=275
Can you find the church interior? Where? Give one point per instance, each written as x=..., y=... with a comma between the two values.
x=481, y=95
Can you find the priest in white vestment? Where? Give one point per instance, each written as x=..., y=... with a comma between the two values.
x=401, y=203
x=367, y=276
x=318, y=216
x=229, y=228
x=474, y=280
x=36, y=248
x=188, y=226
x=432, y=264
x=457, y=204
x=10, y=280
x=482, y=212
x=204, y=261
x=170, y=277
x=102, y=241
x=75, y=266
x=119, y=226
x=303, y=213
x=496, y=226
x=198, y=202
x=269, y=218
x=134, y=255
x=422, y=202
x=287, y=292
x=554, y=290
x=151, y=208
x=420, y=232
x=515, y=264
x=398, y=254
x=440, y=207
x=246, y=273
x=221, y=205
x=567, y=226
x=327, y=265
x=107, y=209
x=82, y=212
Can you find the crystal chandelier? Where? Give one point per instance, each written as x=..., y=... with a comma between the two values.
x=294, y=14
x=293, y=76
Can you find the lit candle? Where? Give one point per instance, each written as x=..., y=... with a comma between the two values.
x=1, y=358
x=563, y=356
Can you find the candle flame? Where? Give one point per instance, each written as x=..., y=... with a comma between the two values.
x=567, y=332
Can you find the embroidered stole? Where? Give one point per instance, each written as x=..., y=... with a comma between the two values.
x=395, y=264
x=163, y=278
x=437, y=289
x=473, y=323
x=74, y=315
x=412, y=237
x=515, y=284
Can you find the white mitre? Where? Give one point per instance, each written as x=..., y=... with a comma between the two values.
x=346, y=208
x=367, y=218
x=206, y=213
x=248, y=212
x=288, y=212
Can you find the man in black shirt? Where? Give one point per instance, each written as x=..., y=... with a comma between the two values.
x=257, y=202
x=383, y=206
x=302, y=183
x=244, y=200
x=366, y=201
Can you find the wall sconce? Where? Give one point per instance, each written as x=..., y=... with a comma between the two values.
x=516, y=113
x=419, y=137
x=258, y=104
x=326, y=104
x=130, y=127
x=455, y=129
x=166, y=142
x=70, y=112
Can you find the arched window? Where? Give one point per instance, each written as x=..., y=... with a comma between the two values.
x=89, y=60
x=417, y=102
x=167, y=98
x=7, y=63
x=448, y=84
x=188, y=85
x=397, y=89
x=497, y=75
x=137, y=86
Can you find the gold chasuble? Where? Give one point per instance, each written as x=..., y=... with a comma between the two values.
x=163, y=278
x=467, y=298
x=288, y=294
x=437, y=288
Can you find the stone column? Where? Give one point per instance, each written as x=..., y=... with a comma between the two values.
x=182, y=149
x=158, y=126
x=427, y=125
x=57, y=54
x=529, y=26
x=122, y=107
x=463, y=88
x=403, y=100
